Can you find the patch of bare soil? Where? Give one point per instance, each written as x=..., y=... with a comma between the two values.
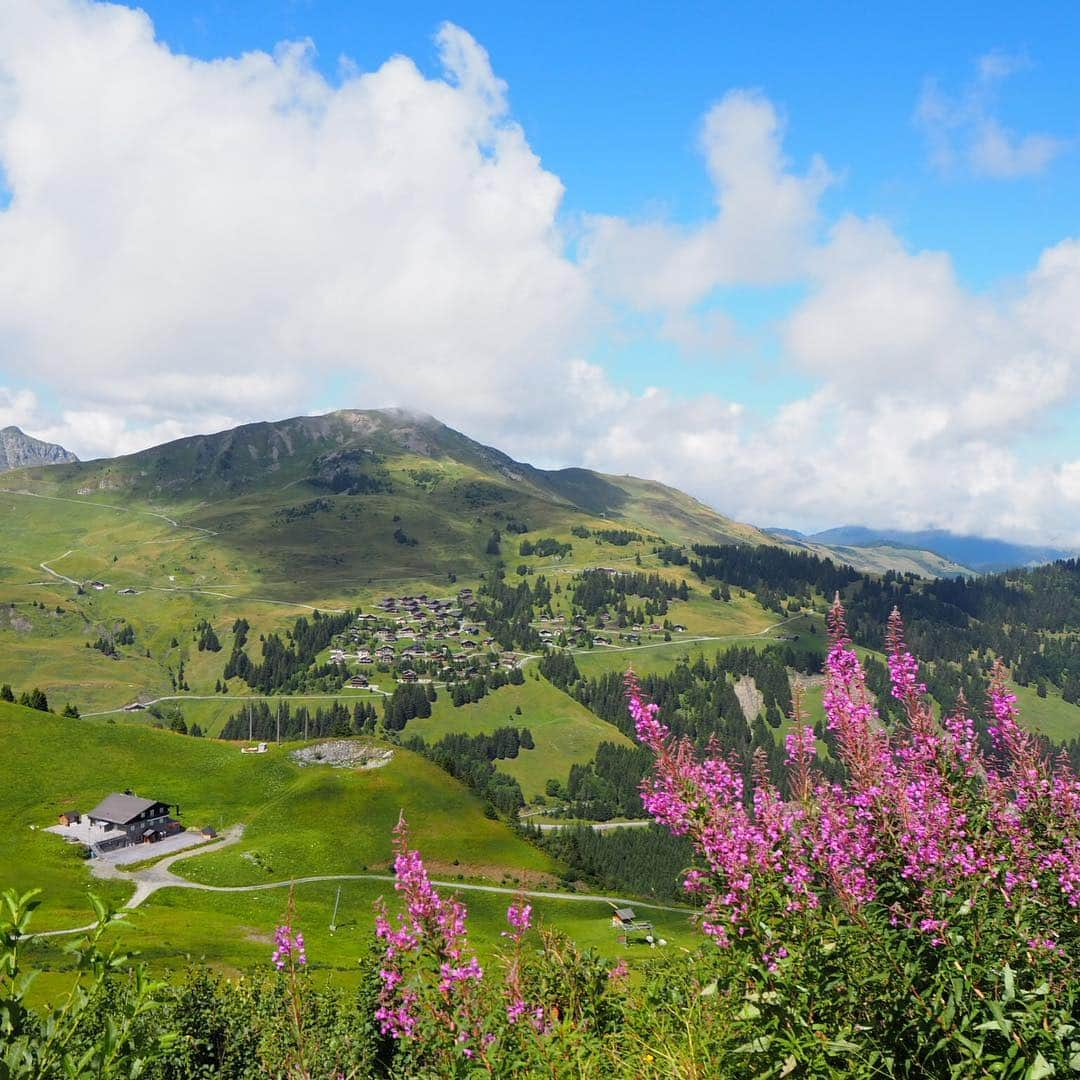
x=750, y=697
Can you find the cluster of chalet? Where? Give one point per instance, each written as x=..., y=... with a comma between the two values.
x=549, y=630
x=377, y=638
x=121, y=820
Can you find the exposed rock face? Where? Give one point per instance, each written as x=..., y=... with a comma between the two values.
x=20, y=451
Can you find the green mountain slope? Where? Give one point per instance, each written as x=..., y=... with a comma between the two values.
x=367, y=495
x=298, y=820
x=879, y=557
x=323, y=497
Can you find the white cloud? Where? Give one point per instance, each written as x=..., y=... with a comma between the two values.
x=207, y=238
x=964, y=134
x=194, y=244
x=17, y=407
x=762, y=229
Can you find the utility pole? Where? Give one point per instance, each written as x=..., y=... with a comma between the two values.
x=249, y=722
x=333, y=919
x=279, y=725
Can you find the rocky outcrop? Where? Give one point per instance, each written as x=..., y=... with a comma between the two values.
x=21, y=451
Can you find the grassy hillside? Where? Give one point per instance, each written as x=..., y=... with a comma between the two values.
x=315, y=820
x=299, y=821
x=565, y=732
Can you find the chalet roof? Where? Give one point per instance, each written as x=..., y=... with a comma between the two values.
x=625, y=913
x=120, y=809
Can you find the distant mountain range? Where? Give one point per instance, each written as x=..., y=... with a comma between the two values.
x=20, y=451
x=979, y=554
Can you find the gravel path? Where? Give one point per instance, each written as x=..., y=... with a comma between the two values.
x=160, y=876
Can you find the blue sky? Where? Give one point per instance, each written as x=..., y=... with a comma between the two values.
x=815, y=263
x=611, y=95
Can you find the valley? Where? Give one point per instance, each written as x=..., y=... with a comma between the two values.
x=378, y=577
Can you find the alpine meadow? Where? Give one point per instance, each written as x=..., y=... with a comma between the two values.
x=343, y=742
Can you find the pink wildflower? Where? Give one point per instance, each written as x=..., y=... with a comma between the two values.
x=519, y=916
x=429, y=924
x=903, y=667
x=288, y=947
x=922, y=810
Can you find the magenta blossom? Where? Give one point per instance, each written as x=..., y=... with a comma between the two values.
x=288, y=947
x=430, y=926
x=922, y=817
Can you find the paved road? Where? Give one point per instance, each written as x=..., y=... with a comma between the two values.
x=160, y=876
x=339, y=696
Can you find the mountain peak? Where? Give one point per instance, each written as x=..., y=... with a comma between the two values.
x=21, y=451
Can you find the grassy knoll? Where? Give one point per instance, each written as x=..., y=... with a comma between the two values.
x=701, y=614
x=565, y=732
x=654, y=658
x=300, y=821
x=1050, y=716
x=337, y=821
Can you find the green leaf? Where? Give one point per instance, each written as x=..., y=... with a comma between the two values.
x=840, y=1046
x=1010, y=982
x=708, y=991
x=1040, y=1068
x=755, y=1046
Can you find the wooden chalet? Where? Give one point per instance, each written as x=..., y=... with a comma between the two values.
x=134, y=820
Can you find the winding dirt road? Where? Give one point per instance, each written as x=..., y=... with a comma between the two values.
x=151, y=879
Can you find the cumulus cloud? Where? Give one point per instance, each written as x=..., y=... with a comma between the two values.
x=964, y=134
x=193, y=239
x=193, y=244
x=760, y=234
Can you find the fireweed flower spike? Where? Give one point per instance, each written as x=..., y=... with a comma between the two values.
x=923, y=816
x=430, y=929
x=519, y=917
x=288, y=946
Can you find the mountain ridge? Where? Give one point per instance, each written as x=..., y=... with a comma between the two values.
x=21, y=451
x=981, y=553
x=408, y=465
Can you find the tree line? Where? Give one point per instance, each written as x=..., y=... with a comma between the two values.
x=595, y=590
x=263, y=721
x=641, y=861
x=287, y=662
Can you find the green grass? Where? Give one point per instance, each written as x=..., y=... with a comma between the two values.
x=211, y=715
x=340, y=821
x=565, y=732
x=654, y=658
x=1050, y=716
x=234, y=932
x=300, y=821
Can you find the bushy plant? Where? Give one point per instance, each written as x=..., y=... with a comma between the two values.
x=917, y=917
x=78, y=1037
